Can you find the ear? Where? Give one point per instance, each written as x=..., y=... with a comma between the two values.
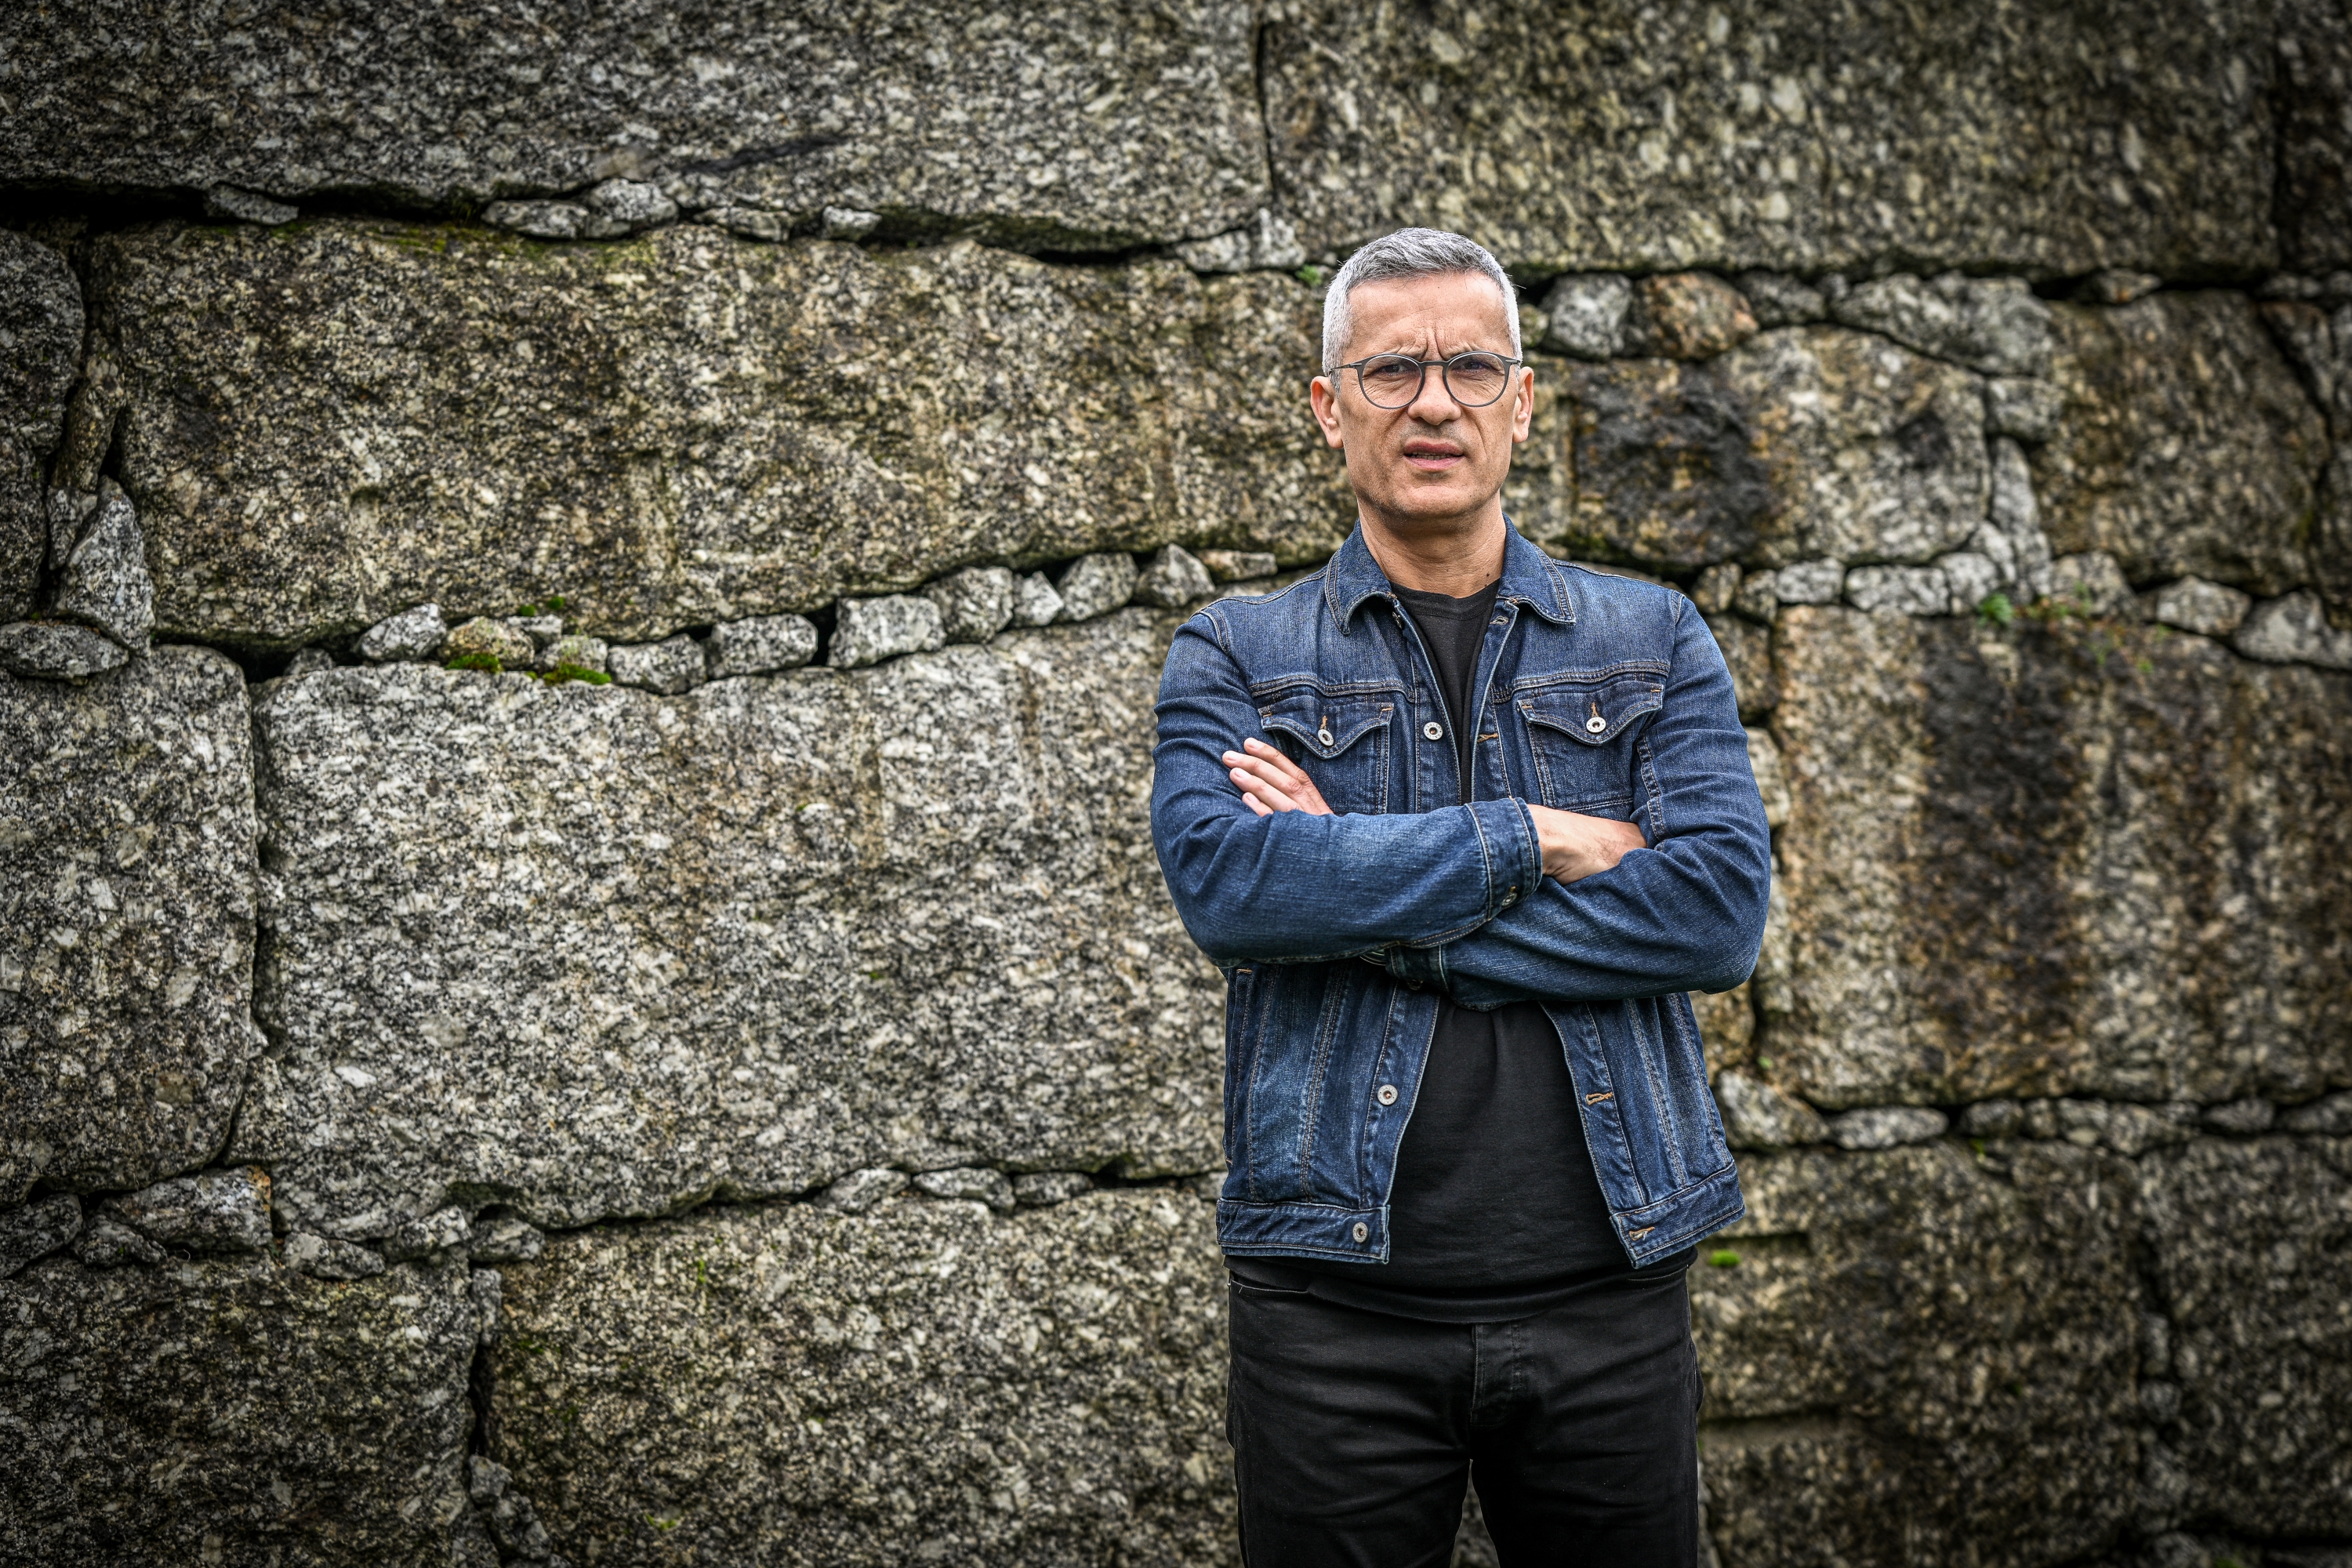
x=1523, y=405
x=1323, y=397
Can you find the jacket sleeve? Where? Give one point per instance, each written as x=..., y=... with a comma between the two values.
x=1297, y=886
x=1685, y=914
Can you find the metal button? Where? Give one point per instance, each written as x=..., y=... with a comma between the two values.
x=1362, y=1230
x=1387, y=1095
x=1594, y=725
x=1324, y=734
x=1432, y=731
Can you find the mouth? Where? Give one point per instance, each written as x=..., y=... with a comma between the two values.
x=1434, y=457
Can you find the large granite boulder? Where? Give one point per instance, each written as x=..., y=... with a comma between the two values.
x=1922, y=1355
x=683, y=428
x=2250, y=1243
x=922, y=1382
x=239, y=1412
x=2055, y=139
x=40, y=330
x=126, y=921
x=2187, y=446
x=590, y=951
x=1085, y=125
x=2079, y=857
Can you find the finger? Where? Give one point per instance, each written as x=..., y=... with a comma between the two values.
x=1250, y=775
x=1256, y=805
x=1270, y=794
x=1272, y=757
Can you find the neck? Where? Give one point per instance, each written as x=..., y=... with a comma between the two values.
x=1455, y=561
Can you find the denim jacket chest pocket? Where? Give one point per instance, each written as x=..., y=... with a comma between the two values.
x=1584, y=736
x=1341, y=739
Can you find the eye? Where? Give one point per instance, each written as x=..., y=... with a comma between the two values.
x=1477, y=370
x=1391, y=370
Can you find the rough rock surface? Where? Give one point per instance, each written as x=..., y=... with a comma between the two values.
x=671, y=665
x=2294, y=629
x=417, y=632
x=126, y=921
x=37, y=1230
x=1990, y=324
x=1800, y=137
x=922, y=1382
x=867, y=631
x=457, y=415
x=595, y=952
x=2252, y=1244
x=103, y=581
x=2051, y=859
x=1921, y=1356
x=974, y=604
x=760, y=646
x=52, y=650
x=210, y=1212
x=40, y=349
x=1096, y=584
x=1083, y=125
x=2187, y=445
x=233, y=1412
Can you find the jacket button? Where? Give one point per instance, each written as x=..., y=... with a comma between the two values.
x=1387, y=1095
x=1594, y=725
x=1432, y=731
x=1324, y=735
x=1362, y=1230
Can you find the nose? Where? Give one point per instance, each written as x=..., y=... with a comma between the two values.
x=1433, y=404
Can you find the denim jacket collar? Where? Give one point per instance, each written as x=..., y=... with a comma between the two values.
x=1530, y=577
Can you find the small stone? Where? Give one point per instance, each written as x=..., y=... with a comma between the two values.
x=212, y=1211
x=2040, y=1118
x=1034, y=602
x=2290, y=629
x=70, y=513
x=2128, y=1129
x=485, y=1289
x=2025, y=407
x=37, y=1230
x=417, y=632
x=308, y=661
x=2196, y=606
x=867, y=631
x=1689, y=316
x=2242, y=1116
x=2015, y=514
x=2117, y=287
x=485, y=1479
x=541, y=629
x=49, y=650
x=509, y=1238
x=324, y=1258
x=1993, y=1118
x=1758, y=1116
x=543, y=220
x=1175, y=579
x=752, y=223
x=1585, y=314
x=974, y=604
x=106, y=1245
x=861, y=1190
x=760, y=644
x=497, y=640
x=1759, y=597
x=2090, y=581
x=1888, y=1127
x=1781, y=301
x=636, y=203
x=2331, y=1115
x=1238, y=566
x=515, y=1524
x=1268, y=243
x=976, y=1183
x=104, y=582
x=1991, y=324
x=1899, y=590
x=849, y=223
x=575, y=651
x=1810, y=582
x=235, y=205
x=1042, y=1189
x=670, y=667
x=1973, y=578
x=435, y=1232
x=1096, y=584
x=1717, y=587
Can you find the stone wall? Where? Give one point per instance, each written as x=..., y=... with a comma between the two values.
x=581, y=972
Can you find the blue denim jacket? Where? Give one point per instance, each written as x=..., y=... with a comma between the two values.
x=1336, y=934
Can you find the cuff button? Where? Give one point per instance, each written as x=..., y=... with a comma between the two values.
x=1387, y=1095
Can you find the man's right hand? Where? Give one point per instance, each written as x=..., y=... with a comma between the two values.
x=1575, y=845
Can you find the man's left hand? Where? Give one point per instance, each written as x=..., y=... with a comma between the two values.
x=1271, y=782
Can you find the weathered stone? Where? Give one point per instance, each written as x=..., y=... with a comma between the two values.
x=2251, y=1243
x=2013, y=534
x=335, y=462
x=506, y=1238
x=1715, y=587
x=1175, y=579
x=2130, y=1130
x=819, y=922
x=1990, y=324
x=2196, y=606
x=1270, y=241
x=2025, y=407
x=1810, y=582
x=234, y=205
x=861, y=1190
x=232, y=1410
x=126, y=921
x=106, y=1245
x=104, y=582
x=1973, y=579
x=928, y=1383
x=2331, y=1113
x=51, y=650
x=1797, y=137
x=974, y=604
x=2244, y=1117
x=2314, y=203
x=1726, y=1028
x=1758, y=598
x=210, y=1212
x=670, y=667
x=1764, y=762
x=1090, y=127
x=41, y=332
x=977, y=1184
x=1781, y=301
x=1586, y=314
x=1758, y=1116
x=1689, y=315
x=414, y=633
x=1993, y=1118
x=762, y=645
x=552, y=220
x=1235, y=565
x=867, y=631
x=2057, y=857
x=2293, y=629
x=1034, y=602
x=1921, y=1357
x=2187, y=447
x=434, y=1232
x=495, y=640
x=1899, y=590
x=591, y=655
x=634, y=204
x=1096, y=584
x=37, y=1230
x=326, y=1258
x=2091, y=584
x=1886, y=1127
x=1042, y=1189
x=1747, y=654
x=543, y=630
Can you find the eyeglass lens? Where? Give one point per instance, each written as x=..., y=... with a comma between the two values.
x=1474, y=379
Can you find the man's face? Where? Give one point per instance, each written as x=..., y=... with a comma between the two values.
x=1432, y=463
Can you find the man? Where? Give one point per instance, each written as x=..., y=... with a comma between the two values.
x=1462, y=826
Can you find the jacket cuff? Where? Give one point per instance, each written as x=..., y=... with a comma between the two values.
x=1513, y=856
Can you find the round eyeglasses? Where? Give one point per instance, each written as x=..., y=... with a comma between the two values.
x=1392, y=381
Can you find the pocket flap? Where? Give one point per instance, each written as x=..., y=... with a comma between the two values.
x=1326, y=726
x=1595, y=712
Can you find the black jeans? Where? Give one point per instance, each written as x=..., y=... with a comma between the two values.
x=1354, y=1432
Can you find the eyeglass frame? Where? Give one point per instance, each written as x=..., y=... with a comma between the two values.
x=1443, y=380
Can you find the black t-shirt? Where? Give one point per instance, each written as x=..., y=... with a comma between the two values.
x=1494, y=1212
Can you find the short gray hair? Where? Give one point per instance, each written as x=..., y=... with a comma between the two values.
x=1410, y=253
